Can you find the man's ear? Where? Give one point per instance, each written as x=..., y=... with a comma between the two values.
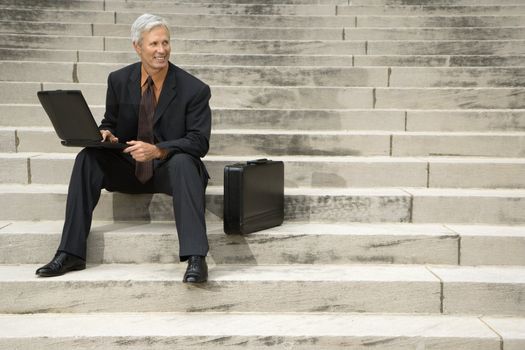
x=137, y=48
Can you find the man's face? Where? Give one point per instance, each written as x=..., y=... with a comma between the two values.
x=154, y=51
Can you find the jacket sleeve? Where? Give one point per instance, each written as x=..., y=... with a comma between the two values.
x=196, y=141
x=109, y=122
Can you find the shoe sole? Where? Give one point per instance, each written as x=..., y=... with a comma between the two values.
x=75, y=268
x=199, y=281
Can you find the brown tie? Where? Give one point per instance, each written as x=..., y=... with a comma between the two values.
x=144, y=170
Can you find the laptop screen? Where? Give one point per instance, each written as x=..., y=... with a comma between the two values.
x=70, y=115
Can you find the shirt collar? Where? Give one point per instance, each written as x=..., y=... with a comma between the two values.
x=158, y=78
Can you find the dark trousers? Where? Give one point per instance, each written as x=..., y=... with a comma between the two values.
x=181, y=176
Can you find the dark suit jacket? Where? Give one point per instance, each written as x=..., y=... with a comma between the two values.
x=182, y=121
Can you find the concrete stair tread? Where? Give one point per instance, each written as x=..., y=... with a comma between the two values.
x=55, y=227
x=375, y=47
x=214, y=325
x=312, y=171
x=301, y=272
x=108, y=17
x=298, y=142
x=50, y=156
x=218, y=273
x=312, y=132
x=271, y=32
x=306, y=9
x=410, y=288
x=33, y=242
x=286, y=75
x=310, y=97
x=315, y=204
x=307, y=228
x=452, y=120
x=306, y=191
x=376, y=119
x=303, y=159
x=241, y=59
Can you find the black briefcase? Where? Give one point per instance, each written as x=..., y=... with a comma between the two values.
x=253, y=196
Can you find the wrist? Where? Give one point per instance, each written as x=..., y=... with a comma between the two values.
x=161, y=153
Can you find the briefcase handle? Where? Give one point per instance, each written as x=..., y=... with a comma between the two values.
x=257, y=161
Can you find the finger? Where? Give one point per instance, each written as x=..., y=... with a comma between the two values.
x=134, y=146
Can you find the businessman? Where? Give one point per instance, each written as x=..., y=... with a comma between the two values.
x=162, y=113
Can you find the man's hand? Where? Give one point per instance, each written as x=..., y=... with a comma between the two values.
x=108, y=136
x=143, y=151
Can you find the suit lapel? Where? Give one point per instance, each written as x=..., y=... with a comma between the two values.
x=134, y=87
x=167, y=94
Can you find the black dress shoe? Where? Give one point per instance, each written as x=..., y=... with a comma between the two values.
x=61, y=263
x=197, y=271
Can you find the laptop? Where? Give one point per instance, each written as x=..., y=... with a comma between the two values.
x=72, y=119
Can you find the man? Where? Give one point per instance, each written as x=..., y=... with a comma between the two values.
x=162, y=113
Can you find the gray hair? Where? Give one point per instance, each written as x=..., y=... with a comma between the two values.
x=146, y=23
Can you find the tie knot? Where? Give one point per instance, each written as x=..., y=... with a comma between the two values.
x=149, y=81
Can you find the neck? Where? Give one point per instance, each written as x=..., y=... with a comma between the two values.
x=151, y=72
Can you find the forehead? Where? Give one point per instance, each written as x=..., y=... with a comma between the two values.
x=156, y=34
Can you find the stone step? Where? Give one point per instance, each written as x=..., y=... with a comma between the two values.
x=242, y=142
x=54, y=5
x=313, y=76
x=346, y=172
x=284, y=76
x=417, y=10
x=189, y=19
x=52, y=41
x=72, y=16
x=223, y=96
x=348, y=33
x=99, y=5
x=223, y=75
x=439, y=33
x=350, y=205
x=456, y=77
x=292, y=243
x=198, y=8
x=448, y=98
x=351, y=119
x=343, y=47
x=268, y=59
x=268, y=33
x=138, y=243
x=465, y=120
x=281, y=47
x=299, y=288
x=311, y=143
x=221, y=331
x=450, y=47
x=427, y=2
x=333, y=119
x=323, y=204
x=291, y=10
x=270, y=97
x=438, y=21
x=234, y=9
x=179, y=32
x=280, y=60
